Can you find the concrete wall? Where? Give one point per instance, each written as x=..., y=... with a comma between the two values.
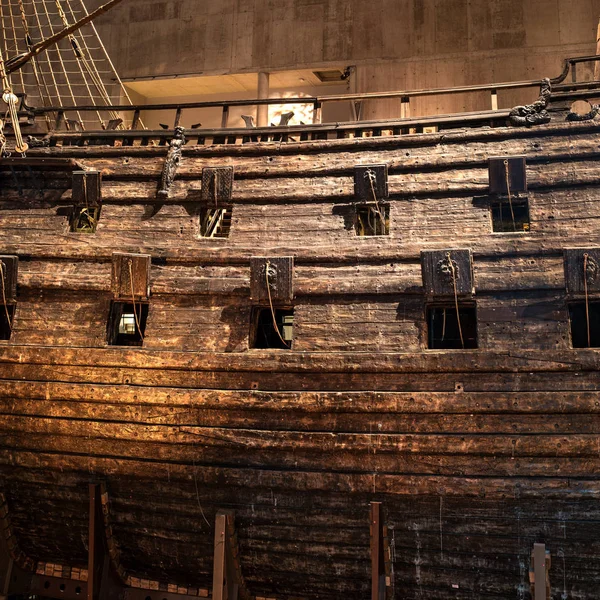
x=396, y=44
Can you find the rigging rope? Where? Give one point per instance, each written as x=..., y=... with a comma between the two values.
x=4, y=296
x=271, y=305
x=587, y=300
x=81, y=58
x=372, y=177
x=137, y=322
x=110, y=63
x=512, y=212
x=453, y=272
x=34, y=64
x=57, y=49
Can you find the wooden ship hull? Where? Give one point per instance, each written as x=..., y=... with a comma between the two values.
x=358, y=462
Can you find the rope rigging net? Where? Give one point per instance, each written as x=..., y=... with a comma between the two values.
x=75, y=71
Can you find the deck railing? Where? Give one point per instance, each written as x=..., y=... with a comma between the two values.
x=233, y=135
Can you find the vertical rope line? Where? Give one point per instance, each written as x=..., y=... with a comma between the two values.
x=12, y=100
x=4, y=297
x=110, y=62
x=62, y=63
x=512, y=212
x=371, y=175
x=453, y=271
x=271, y=304
x=137, y=322
x=80, y=59
x=54, y=82
x=587, y=300
x=14, y=33
x=444, y=325
x=34, y=65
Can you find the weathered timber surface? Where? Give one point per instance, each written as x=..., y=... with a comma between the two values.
x=475, y=455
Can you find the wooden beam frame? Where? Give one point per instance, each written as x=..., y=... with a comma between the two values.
x=538, y=573
x=228, y=582
x=380, y=555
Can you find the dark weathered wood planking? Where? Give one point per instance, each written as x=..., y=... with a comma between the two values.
x=475, y=455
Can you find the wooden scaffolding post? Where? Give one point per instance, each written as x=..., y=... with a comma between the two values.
x=96, y=554
x=597, y=63
x=380, y=560
x=228, y=583
x=539, y=573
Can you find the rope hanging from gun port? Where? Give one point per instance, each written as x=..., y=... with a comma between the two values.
x=137, y=321
x=587, y=300
x=510, y=204
x=370, y=174
x=4, y=297
x=458, y=322
x=267, y=267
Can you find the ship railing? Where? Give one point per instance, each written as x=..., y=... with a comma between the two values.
x=494, y=117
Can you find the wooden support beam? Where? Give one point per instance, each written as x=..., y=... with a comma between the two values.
x=405, y=107
x=597, y=63
x=96, y=551
x=494, y=99
x=228, y=582
x=538, y=573
x=379, y=587
x=225, y=117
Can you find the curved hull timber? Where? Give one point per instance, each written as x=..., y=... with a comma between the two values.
x=474, y=455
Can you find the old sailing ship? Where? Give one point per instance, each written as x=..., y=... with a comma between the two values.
x=318, y=361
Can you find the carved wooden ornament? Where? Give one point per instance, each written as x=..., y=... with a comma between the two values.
x=131, y=276
x=280, y=274
x=442, y=269
x=370, y=183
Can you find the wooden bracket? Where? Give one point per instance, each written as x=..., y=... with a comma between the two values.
x=131, y=276
x=582, y=270
x=517, y=175
x=539, y=573
x=280, y=274
x=10, y=270
x=228, y=582
x=87, y=189
x=446, y=272
x=217, y=186
x=380, y=555
x=371, y=183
